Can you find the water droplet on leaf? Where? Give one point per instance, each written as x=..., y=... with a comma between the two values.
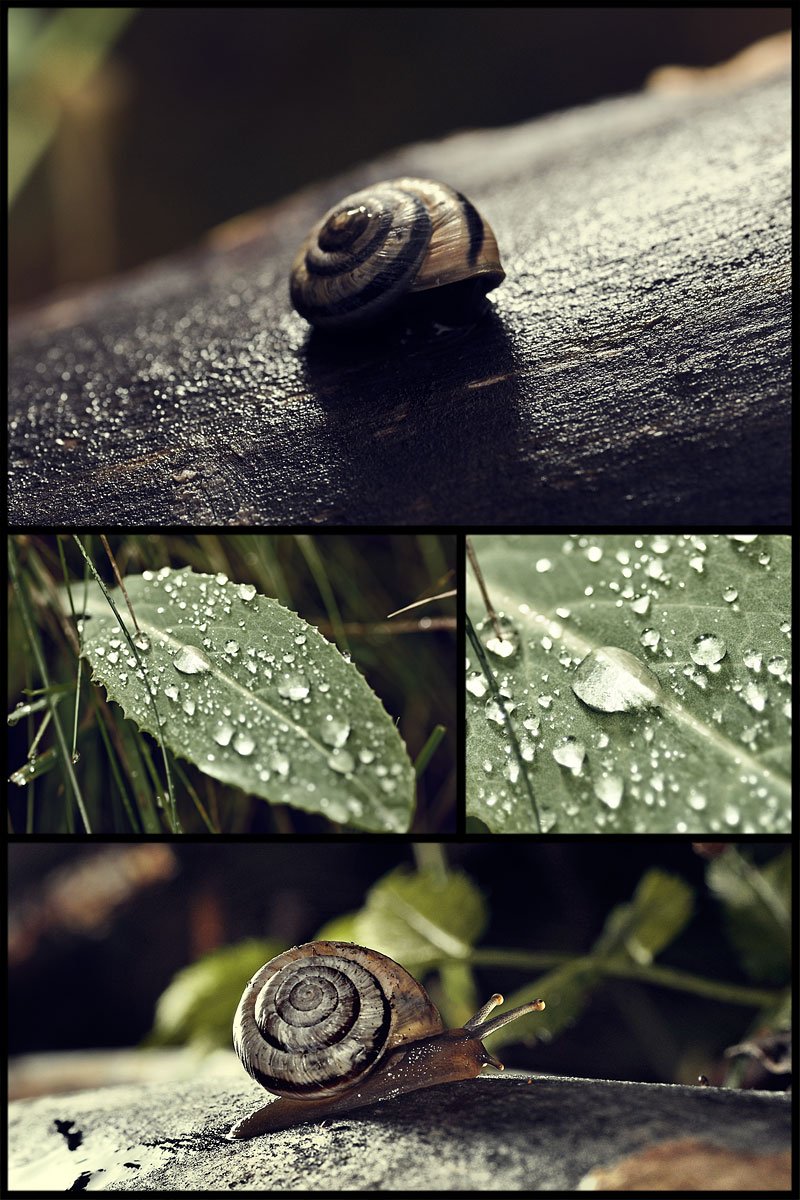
x=190, y=661
x=707, y=649
x=608, y=788
x=612, y=680
x=341, y=761
x=570, y=753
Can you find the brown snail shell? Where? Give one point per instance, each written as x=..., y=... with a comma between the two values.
x=392, y=241
x=332, y=1026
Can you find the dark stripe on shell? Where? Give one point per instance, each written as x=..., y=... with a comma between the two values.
x=360, y=1066
x=474, y=228
x=340, y=261
x=382, y=285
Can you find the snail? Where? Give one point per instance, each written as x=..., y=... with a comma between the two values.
x=332, y=1026
x=395, y=242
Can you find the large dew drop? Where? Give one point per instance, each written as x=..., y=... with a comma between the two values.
x=612, y=680
x=190, y=661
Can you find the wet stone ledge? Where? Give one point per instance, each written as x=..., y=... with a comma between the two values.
x=513, y=1132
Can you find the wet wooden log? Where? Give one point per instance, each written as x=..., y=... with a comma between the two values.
x=635, y=368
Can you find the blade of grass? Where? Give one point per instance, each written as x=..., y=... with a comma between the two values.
x=320, y=576
x=135, y=824
x=426, y=753
x=23, y=600
x=175, y=820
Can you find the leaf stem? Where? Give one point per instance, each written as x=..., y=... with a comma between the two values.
x=473, y=559
x=684, y=981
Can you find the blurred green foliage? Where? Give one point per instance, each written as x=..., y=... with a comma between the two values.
x=432, y=919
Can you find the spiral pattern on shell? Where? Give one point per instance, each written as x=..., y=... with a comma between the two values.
x=381, y=244
x=317, y=1018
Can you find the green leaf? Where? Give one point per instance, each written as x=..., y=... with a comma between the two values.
x=253, y=696
x=565, y=991
x=693, y=746
x=198, y=1005
x=658, y=912
x=757, y=904
x=417, y=918
x=639, y=930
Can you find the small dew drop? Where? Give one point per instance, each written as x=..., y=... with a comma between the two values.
x=232, y=648
x=543, y=565
x=246, y=591
x=743, y=537
x=476, y=684
x=777, y=665
x=609, y=788
x=505, y=647
x=754, y=696
x=293, y=688
x=141, y=641
x=707, y=649
x=650, y=638
x=341, y=761
x=243, y=744
x=752, y=660
x=280, y=764
x=335, y=733
x=570, y=753
x=223, y=735
x=730, y=594
x=171, y=693
x=189, y=707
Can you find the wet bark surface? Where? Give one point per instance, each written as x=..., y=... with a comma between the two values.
x=634, y=369
x=518, y=1133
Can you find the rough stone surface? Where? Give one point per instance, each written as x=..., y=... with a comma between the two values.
x=636, y=367
x=509, y=1133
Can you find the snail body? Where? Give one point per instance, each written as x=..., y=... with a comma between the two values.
x=331, y=1026
x=388, y=243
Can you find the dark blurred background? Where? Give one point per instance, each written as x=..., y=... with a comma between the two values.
x=92, y=949
x=133, y=131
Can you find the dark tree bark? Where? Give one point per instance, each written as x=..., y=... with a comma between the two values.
x=635, y=368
